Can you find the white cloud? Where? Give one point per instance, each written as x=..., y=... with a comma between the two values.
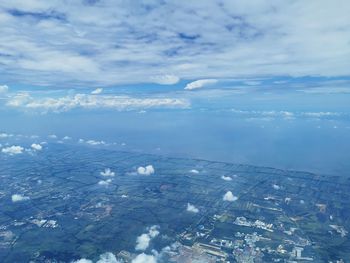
x=148, y=170
x=36, y=147
x=83, y=260
x=86, y=101
x=13, y=150
x=229, y=197
x=165, y=79
x=276, y=187
x=105, y=182
x=52, y=136
x=4, y=88
x=5, y=135
x=108, y=257
x=226, y=178
x=18, y=198
x=97, y=91
x=192, y=208
x=194, y=171
x=143, y=258
x=143, y=241
x=107, y=172
x=215, y=39
x=200, y=83
x=93, y=142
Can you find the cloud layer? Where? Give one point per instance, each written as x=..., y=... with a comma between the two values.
x=112, y=41
x=87, y=101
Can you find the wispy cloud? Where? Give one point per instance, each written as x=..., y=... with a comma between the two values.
x=200, y=83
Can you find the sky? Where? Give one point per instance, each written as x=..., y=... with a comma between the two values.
x=258, y=82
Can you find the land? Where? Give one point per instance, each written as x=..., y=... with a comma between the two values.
x=279, y=216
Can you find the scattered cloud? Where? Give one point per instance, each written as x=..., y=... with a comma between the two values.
x=229, y=197
x=5, y=135
x=200, y=83
x=165, y=79
x=143, y=241
x=192, y=208
x=107, y=172
x=148, y=170
x=327, y=90
x=36, y=147
x=144, y=258
x=194, y=171
x=19, y=198
x=288, y=115
x=97, y=91
x=12, y=150
x=226, y=178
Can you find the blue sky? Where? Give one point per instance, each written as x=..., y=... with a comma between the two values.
x=259, y=82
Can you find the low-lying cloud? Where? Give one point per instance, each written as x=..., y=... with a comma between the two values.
x=148, y=170
x=143, y=241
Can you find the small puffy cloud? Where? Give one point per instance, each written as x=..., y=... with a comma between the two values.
x=148, y=170
x=97, y=91
x=93, y=142
x=3, y=88
x=276, y=187
x=226, y=178
x=200, y=83
x=13, y=150
x=52, y=136
x=107, y=172
x=165, y=79
x=194, y=171
x=192, y=208
x=19, y=198
x=108, y=257
x=105, y=182
x=66, y=138
x=229, y=197
x=36, y=147
x=142, y=241
x=144, y=258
